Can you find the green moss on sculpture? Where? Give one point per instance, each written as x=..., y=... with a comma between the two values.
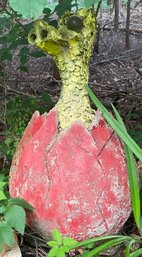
x=70, y=45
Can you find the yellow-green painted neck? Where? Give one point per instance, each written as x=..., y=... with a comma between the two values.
x=73, y=103
x=71, y=50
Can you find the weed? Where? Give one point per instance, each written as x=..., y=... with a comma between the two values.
x=12, y=216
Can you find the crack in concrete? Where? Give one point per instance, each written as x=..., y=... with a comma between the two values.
x=105, y=143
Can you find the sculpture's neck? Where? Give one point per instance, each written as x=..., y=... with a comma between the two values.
x=73, y=103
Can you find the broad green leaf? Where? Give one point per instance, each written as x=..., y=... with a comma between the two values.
x=1, y=246
x=116, y=126
x=2, y=184
x=53, y=252
x=52, y=243
x=2, y=208
x=5, y=54
x=2, y=195
x=37, y=54
x=57, y=236
x=132, y=174
x=2, y=178
x=69, y=242
x=20, y=202
x=16, y=217
x=24, y=56
x=88, y=3
x=23, y=68
x=47, y=98
x=28, y=8
x=64, y=249
x=6, y=234
x=62, y=7
x=84, y=253
x=61, y=253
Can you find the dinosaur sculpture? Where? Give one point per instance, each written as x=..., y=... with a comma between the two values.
x=69, y=163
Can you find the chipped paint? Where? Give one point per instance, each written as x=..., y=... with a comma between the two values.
x=35, y=145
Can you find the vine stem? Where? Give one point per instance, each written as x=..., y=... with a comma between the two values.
x=12, y=16
x=76, y=4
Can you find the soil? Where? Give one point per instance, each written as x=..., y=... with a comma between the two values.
x=115, y=77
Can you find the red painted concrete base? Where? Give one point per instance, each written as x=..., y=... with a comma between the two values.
x=76, y=179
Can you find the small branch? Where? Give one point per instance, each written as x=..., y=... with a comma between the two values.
x=139, y=31
x=127, y=41
x=13, y=17
x=98, y=7
x=116, y=17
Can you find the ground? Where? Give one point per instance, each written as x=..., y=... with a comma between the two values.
x=114, y=77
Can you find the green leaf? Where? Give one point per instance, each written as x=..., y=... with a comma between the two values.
x=132, y=174
x=140, y=202
x=24, y=56
x=53, y=252
x=1, y=246
x=23, y=68
x=85, y=243
x=84, y=253
x=28, y=9
x=5, y=54
x=62, y=7
x=2, y=195
x=20, y=202
x=52, y=243
x=61, y=253
x=88, y=3
x=47, y=99
x=57, y=236
x=2, y=208
x=2, y=184
x=105, y=246
x=47, y=11
x=136, y=253
x=64, y=249
x=69, y=242
x=6, y=234
x=2, y=177
x=37, y=54
x=15, y=216
x=128, y=247
x=116, y=126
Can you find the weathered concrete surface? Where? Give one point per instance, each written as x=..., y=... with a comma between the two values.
x=76, y=179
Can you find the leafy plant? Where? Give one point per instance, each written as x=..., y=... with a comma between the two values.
x=12, y=216
x=28, y=9
x=59, y=245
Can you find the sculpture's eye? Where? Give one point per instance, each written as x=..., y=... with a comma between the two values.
x=33, y=37
x=43, y=33
x=75, y=23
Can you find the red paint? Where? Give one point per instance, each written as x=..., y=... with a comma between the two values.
x=76, y=179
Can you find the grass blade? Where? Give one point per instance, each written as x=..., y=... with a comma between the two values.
x=98, y=239
x=105, y=246
x=116, y=126
x=136, y=253
x=132, y=174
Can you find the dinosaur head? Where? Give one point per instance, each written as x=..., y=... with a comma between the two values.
x=75, y=32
